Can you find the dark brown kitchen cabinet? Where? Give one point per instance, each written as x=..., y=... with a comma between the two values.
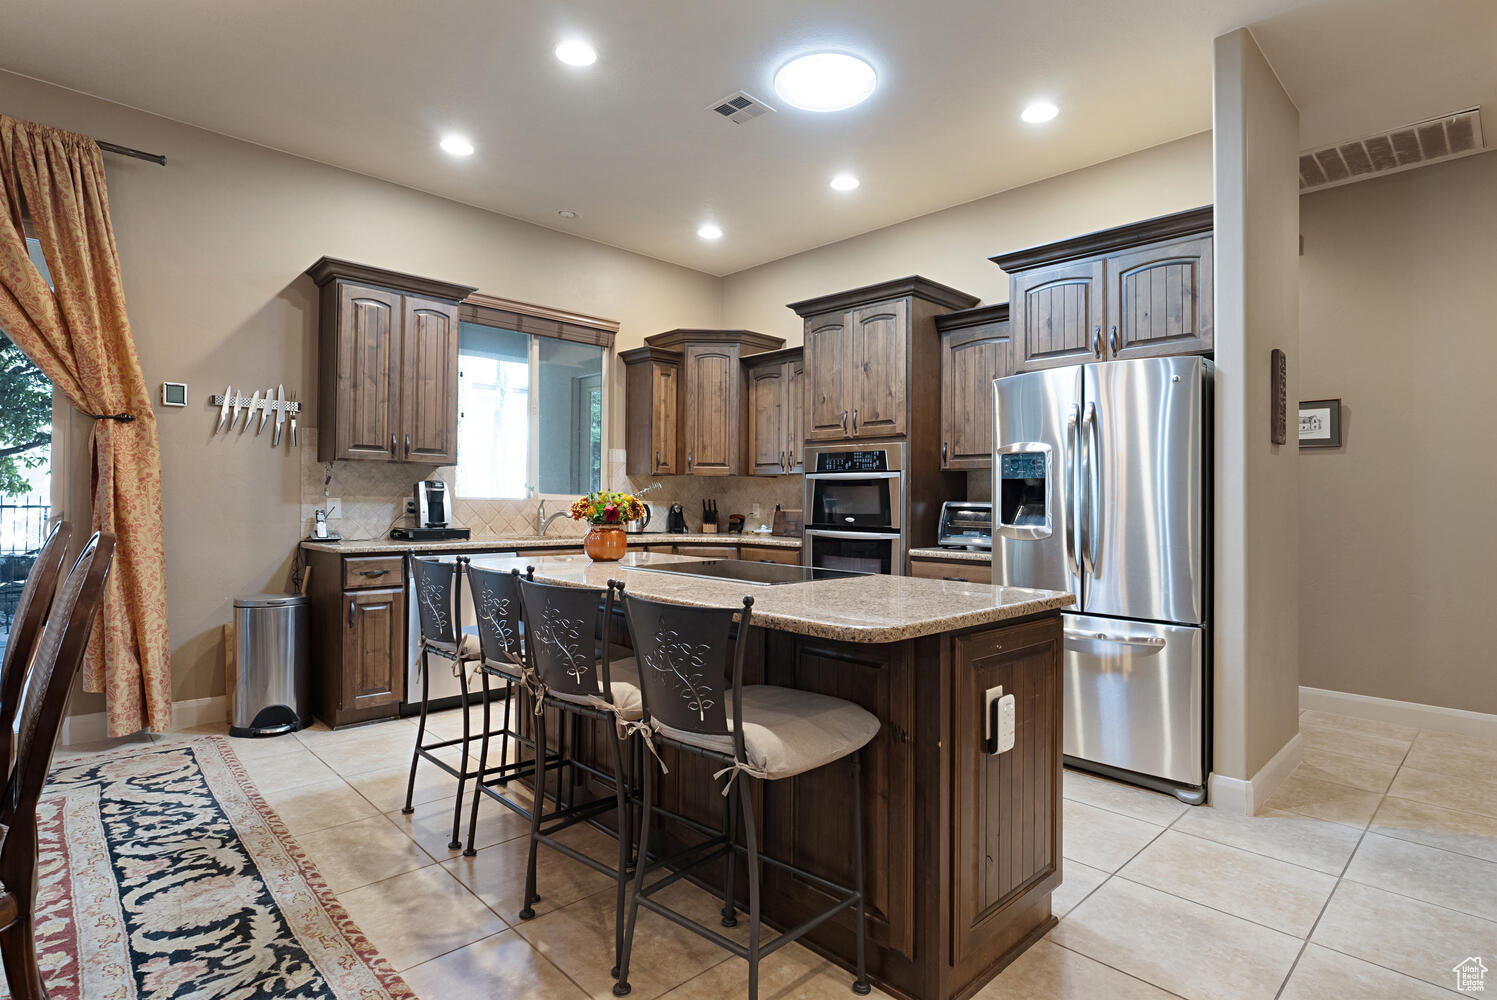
x=710, y=425
x=373, y=649
x=865, y=352
x=795, y=407
x=1006, y=806
x=1159, y=300
x=387, y=365
x=1142, y=290
x=358, y=616
x=976, y=348
x=775, y=403
x=652, y=400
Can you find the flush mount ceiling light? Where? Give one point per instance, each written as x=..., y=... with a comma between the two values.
x=567, y=213
x=576, y=53
x=709, y=231
x=456, y=145
x=825, y=81
x=845, y=182
x=1039, y=112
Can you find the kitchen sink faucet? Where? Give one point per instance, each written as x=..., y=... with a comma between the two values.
x=542, y=522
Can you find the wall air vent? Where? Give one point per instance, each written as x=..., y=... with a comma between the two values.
x=1433, y=141
x=739, y=108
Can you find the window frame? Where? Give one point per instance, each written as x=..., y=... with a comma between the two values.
x=536, y=322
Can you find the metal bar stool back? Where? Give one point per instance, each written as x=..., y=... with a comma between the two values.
x=691, y=677
x=437, y=588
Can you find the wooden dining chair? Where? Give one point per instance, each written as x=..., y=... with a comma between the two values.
x=26, y=628
x=58, y=656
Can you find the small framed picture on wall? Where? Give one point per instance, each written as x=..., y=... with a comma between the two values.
x=1320, y=423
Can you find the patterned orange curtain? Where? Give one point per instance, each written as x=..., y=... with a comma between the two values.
x=80, y=337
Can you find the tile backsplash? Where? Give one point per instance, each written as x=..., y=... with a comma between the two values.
x=373, y=496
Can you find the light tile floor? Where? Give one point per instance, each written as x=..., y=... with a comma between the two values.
x=1370, y=875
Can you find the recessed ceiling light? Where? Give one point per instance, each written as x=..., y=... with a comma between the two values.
x=708, y=231
x=845, y=182
x=576, y=53
x=1039, y=111
x=567, y=213
x=456, y=145
x=825, y=81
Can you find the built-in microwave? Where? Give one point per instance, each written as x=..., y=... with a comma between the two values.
x=854, y=507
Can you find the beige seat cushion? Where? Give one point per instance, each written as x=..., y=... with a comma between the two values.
x=469, y=650
x=628, y=703
x=788, y=732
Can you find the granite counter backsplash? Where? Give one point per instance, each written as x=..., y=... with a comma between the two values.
x=373, y=496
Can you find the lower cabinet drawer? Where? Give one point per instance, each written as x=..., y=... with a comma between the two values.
x=372, y=571
x=764, y=553
x=938, y=569
x=708, y=551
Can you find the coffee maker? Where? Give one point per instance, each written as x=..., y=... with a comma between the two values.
x=433, y=512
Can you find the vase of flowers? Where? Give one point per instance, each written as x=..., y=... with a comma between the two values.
x=607, y=512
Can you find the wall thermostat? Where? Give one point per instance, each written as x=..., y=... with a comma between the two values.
x=173, y=393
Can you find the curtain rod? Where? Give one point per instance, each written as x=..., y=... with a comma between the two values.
x=110, y=147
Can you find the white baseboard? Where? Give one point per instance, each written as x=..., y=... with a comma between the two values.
x=94, y=727
x=1245, y=798
x=1403, y=713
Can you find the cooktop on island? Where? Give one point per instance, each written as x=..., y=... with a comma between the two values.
x=758, y=574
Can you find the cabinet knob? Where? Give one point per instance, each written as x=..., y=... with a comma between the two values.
x=690, y=458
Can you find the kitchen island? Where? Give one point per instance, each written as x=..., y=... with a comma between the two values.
x=962, y=846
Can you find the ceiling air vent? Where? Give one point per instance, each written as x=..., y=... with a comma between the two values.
x=739, y=108
x=1432, y=141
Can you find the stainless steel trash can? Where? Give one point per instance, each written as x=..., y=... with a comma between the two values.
x=272, y=692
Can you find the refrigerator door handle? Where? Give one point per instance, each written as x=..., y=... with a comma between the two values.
x=1073, y=506
x=1093, y=487
x=1148, y=641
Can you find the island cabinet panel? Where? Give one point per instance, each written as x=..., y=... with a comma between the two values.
x=807, y=819
x=428, y=382
x=1058, y=315
x=1159, y=300
x=1006, y=806
x=826, y=358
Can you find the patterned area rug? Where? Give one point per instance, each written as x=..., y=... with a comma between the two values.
x=165, y=875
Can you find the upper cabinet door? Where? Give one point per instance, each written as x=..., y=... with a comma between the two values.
x=970, y=360
x=1159, y=300
x=367, y=386
x=879, y=370
x=1056, y=313
x=665, y=392
x=428, y=382
x=711, y=420
x=826, y=406
x=795, y=415
x=766, y=415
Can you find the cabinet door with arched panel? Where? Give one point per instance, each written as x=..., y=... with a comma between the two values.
x=1159, y=300
x=1056, y=313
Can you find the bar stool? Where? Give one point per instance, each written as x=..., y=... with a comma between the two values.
x=574, y=670
x=501, y=636
x=685, y=655
x=442, y=634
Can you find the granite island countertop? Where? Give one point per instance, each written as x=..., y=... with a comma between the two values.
x=869, y=608
x=369, y=546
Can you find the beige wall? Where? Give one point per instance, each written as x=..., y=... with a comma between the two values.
x=1398, y=550
x=1256, y=131
x=953, y=246
x=213, y=246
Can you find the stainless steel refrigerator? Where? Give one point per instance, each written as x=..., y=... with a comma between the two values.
x=1101, y=486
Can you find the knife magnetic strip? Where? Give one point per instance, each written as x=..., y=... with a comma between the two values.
x=286, y=405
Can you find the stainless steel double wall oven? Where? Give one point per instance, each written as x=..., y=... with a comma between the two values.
x=854, y=508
